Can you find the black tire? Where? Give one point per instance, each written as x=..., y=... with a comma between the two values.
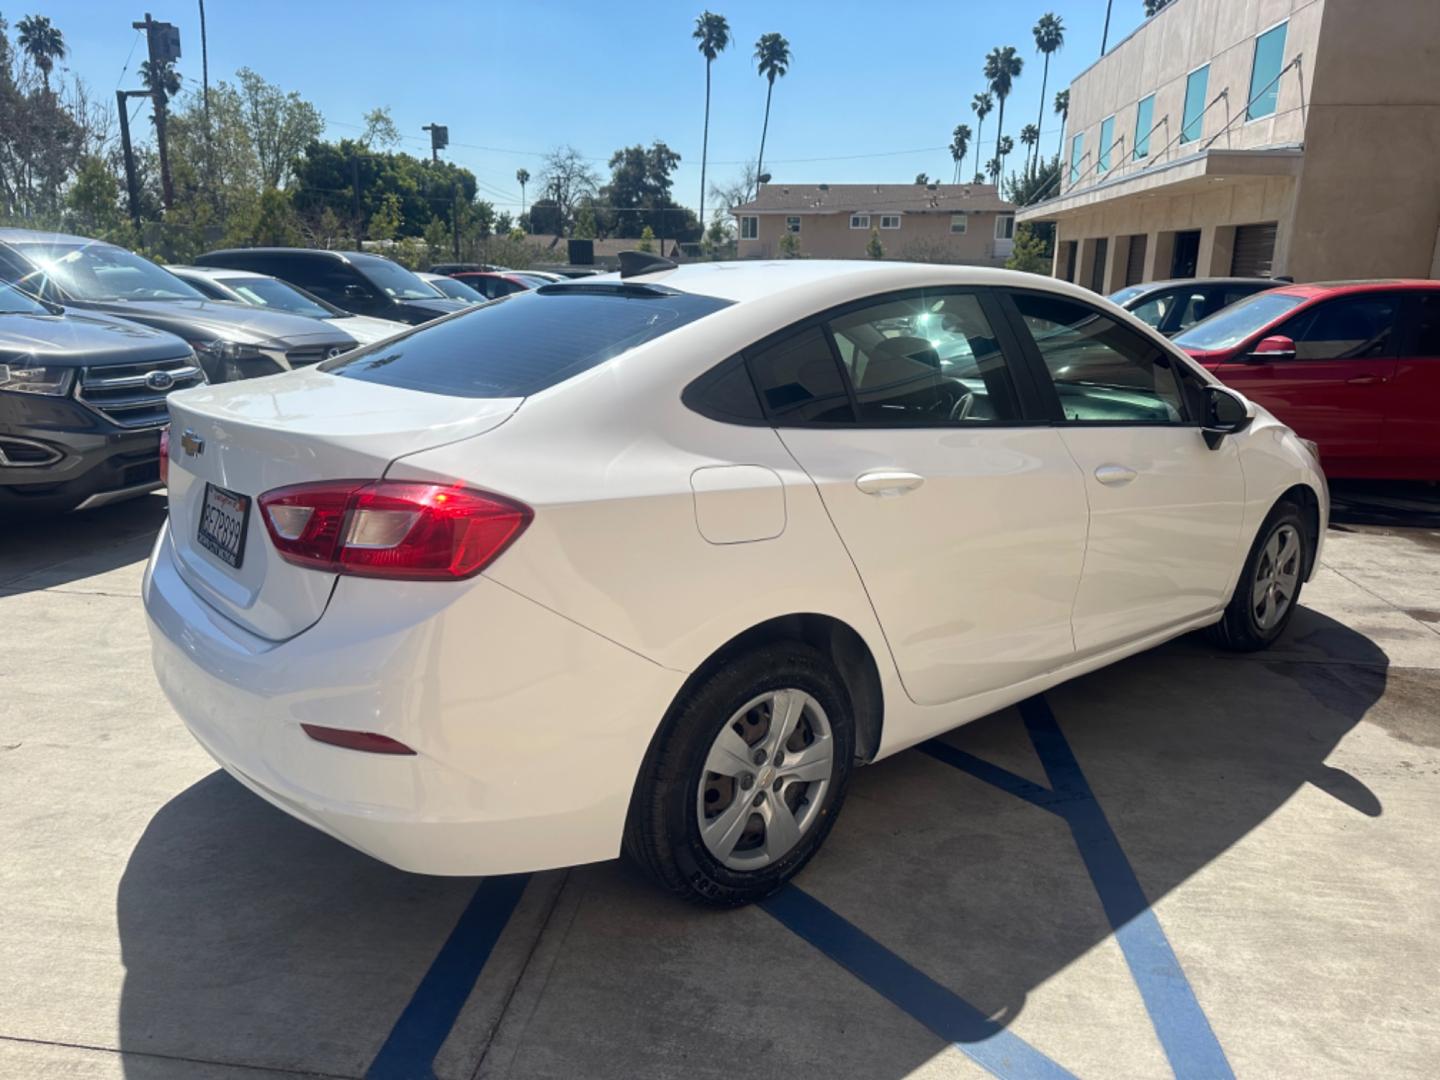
x=662, y=833
x=1239, y=630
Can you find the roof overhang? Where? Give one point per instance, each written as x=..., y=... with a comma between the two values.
x=1183, y=176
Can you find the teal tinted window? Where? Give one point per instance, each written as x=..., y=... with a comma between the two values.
x=1107, y=136
x=1076, y=147
x=1194, y=121
x=1144, y=121
x=1265, y=72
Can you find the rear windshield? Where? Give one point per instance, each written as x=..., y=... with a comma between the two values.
x=525, y=342
x=1232, y=325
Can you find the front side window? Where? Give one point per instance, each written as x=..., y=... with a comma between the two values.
x=929, y=360
x=792, y=224
x=99, y=272
x=889, y=221
x=391, y=278
x=1265, y=73
x=959, y=223
x=1005, y=227
x=1107, y=137
x=1193, y=124
x=1238, y=321
x=1346, y=328
x=800, y=382
x=1144, y=121
x=859, y=221
x=749, y=228
x=525, y=343
x=1077, y=145
x=1103, y=373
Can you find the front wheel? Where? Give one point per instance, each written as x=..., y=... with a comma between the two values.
x=1269, y=587
x=746, y=778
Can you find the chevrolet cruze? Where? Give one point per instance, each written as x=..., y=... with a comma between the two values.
x=652, y=562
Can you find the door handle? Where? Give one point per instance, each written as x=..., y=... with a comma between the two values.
x=1366, y=380
x=1115, y=475
x=888, y=482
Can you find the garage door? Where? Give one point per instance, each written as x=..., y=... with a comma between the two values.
x=1254, y=250
x=1135, y=264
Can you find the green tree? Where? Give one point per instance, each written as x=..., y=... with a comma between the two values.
x=1062, y=110
x=982, y=104
x=92, y=204
x=160, y=79
x=790, y=246
x=647, y=240
x=1049, y=37
x=1029, y=252
x=959, y=147
x=522, y=177
x=276, y=224
x=713, y=34
x=873, y=248
x=1029, y=137
x=772, y=61
x=43, y=43
x=437, y=237
x=1002, y=66
x=280, y=125
x=585, y=228
x=922, y=178
x=380, y=132
x=638, y=194
x=385, y=223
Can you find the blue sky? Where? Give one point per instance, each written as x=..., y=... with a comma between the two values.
x=870, y=83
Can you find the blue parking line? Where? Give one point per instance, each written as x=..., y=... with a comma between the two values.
x=1180, y=1024
x=410, y=1051
x=988, y=1044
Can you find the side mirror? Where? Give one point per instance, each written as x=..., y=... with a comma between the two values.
x=355, y=292
x=1272, y=348
x=1226, y=413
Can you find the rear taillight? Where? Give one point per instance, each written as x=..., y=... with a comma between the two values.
x=391, y=528
x=165, y=454
x=368, y=741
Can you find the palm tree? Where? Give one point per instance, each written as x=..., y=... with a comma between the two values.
x=959, y=146
x=1001, y=67
x=1003, y=147
x=162, y=79
x=522, y=177
x=982, y=104
x=993, y=168
x=1062, y=110
x=1029, y=137
x=44, y=42
x=713, y=34
x=1049, y=36
x=772, y=60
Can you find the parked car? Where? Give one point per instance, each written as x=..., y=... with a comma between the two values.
x=451, y=287
x=451, y=269
x=1352, y=365
x=358, y=282
x=493, y=285
x=82, y=399
x=262, y=290
x=544, y=275
x=1176, y=305
x=231, y=341
x=651, y=562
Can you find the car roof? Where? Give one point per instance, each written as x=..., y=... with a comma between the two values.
x=1168, y=283
x=38, y=236
x=216, y=273
x=1313, y=289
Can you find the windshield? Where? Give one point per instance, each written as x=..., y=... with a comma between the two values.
x=100, y=272
x=457, y=290
x=15, y=302
x=525, y=342
x=273, y=293
x=1127, y=293
x=393, y=279
x=1232, y=325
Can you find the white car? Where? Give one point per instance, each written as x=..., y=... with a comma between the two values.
x=262, y=290
x=451, y=288
x=653, y=561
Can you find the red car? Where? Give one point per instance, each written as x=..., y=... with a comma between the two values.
x=1353, y=366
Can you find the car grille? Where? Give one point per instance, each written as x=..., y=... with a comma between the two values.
x=133, y=395
x=306, y=357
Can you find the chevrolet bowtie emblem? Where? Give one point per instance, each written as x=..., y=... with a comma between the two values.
x=191, y=443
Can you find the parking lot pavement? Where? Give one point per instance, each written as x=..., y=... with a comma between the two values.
x=1190, y=863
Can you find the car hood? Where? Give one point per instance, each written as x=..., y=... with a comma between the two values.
x=210, y=320
x=440, y=306
x=87, y=339
x=366, y=330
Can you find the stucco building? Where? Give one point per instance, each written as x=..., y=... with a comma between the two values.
x=1270, y=137
x=958, y=223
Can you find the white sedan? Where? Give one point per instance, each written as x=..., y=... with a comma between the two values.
x=652, y=562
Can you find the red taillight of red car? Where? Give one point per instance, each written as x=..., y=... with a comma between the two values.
x=391, y=528
x=165, y=454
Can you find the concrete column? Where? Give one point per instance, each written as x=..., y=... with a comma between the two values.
x=1057, y=258
x=1207, y=251
x=1159, y=254
x=1115, y=264
x=1221, y=254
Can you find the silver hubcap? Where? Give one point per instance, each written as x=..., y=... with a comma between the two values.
x=765, y=779
x=1276, y=577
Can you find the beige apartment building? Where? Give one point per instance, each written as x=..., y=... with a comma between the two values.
x=955, y=223
x=1294, y=138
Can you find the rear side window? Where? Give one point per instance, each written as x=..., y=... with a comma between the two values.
x=800, y=381
x=1427, y=327
x=525, y=343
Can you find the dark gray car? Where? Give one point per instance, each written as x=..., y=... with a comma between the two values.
x=232, y=341
x=357, y=281
x=1178, y=304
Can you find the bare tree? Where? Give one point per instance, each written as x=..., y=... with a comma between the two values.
x=737, y=191
x=566, y=178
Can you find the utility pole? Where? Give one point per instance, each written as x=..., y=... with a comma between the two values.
x=132, y=184
x=205, y=85
x=439, y=140
x=163, y=41
x=455, y=221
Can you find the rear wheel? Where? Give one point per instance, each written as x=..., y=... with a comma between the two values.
x=1269, y=586
x=746, y=779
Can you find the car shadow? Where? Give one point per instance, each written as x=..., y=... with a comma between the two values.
x=46, y=551
x=1381, y=503
x=250, y=938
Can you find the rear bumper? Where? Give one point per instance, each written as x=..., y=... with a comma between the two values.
x=529, y=730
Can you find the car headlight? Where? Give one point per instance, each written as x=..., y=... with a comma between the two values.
x=52, y=381
x=224, y=350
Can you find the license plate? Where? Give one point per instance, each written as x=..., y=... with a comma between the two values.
x=222, y=524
